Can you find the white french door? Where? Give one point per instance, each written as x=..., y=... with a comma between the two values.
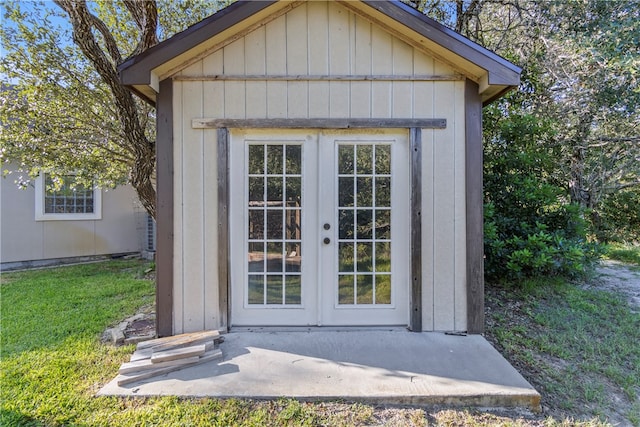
x=319, y=225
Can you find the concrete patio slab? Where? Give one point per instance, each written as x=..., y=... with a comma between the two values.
x=373, y=366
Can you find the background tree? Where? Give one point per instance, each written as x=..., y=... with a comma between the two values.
x=65, y=110
x=562, y=160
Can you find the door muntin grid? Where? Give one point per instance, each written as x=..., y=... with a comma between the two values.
x=274, y=224
x=364, y=224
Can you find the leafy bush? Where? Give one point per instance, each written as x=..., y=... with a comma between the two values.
x=530, y=227
x=538, y=252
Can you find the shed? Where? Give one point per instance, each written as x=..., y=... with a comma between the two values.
x=319, y=164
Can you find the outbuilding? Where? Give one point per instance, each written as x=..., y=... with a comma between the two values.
x=319, y=164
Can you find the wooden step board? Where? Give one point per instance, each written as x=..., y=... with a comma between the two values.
x=164, y=355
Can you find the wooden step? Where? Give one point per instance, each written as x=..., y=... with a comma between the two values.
x=147, y=364
x=143, y=375
x=179, y=353
x=178, y=341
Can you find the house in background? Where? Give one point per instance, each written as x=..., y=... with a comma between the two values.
x=40, y=227
x=319, y=164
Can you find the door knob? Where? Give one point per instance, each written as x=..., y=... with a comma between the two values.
x=327, y=240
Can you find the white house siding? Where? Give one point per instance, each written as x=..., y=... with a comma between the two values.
x=317, y=39
x=24, y=239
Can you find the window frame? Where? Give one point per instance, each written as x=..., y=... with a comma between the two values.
x=41, y=215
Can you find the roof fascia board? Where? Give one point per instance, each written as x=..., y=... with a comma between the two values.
x=137, y=70
x=500, y=71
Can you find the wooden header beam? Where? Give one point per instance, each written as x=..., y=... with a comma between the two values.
x=206, y=123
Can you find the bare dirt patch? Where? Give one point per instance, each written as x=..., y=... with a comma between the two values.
x=615, y=276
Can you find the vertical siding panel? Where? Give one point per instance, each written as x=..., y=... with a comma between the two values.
x=255, y=63
x=361, y=91
x=276, y=54
x=213, y=106
x=193, y=208
x=460, y=277
x=423, y=107
x=318, y=41
x=211, y=295
x=422, y=91
x=178, y=218
x=444, y=204
x=297, y=54
x=234, y=91
x=402, y=91
x=428, y=210
x=381, y=52
x=193, y=70
x=339, y=59
x=213, y=91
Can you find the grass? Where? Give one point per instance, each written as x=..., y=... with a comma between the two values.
x=627, y=253
x=52, y=362
x=580, y=346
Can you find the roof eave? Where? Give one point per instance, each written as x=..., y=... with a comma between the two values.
x=136, y=70
x=494, y=74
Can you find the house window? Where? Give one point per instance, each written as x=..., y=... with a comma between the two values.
x=70, y=201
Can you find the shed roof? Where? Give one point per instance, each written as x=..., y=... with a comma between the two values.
x=494, y=74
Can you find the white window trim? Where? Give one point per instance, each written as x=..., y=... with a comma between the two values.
x=42, y=216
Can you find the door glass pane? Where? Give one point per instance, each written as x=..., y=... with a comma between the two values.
x=294, y=191
x=274, y=257
x=274, y=223
x=345, y=224
x=345, y=192
x=365, y=191
x=364, y=159
x=274, y=289
x=346, y=159
x=364, y=231
x=365, y=224
x=275, y=164
x=383, y=289
x=383, y=159
x=256, y=289
x=274, y=189
x=365, y=257
x=256, y=189
x=294, y=159
x=256, y=159
x=345, y=289
x=383, y=191
x=293, y=288
x=256, y=257
x=365, y=289
x=256, y=224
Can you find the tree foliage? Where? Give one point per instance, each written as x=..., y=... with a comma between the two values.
x=562, y=153
x=65, y=110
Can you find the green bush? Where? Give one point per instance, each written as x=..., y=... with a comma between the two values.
x=539, y=252
x=531, y=229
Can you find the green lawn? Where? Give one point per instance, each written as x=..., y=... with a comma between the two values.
x=52, y=362
x=579, y=347
x=627, y=253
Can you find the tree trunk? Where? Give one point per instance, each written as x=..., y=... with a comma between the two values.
x=105, y=57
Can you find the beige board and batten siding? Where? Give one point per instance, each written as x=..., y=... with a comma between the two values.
x=317, y=39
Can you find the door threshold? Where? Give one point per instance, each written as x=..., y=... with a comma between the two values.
x=398, y=328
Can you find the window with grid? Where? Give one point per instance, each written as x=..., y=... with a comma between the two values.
x=65, y=200
x=364, y=224
x=274, y=224
x=69, y=198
